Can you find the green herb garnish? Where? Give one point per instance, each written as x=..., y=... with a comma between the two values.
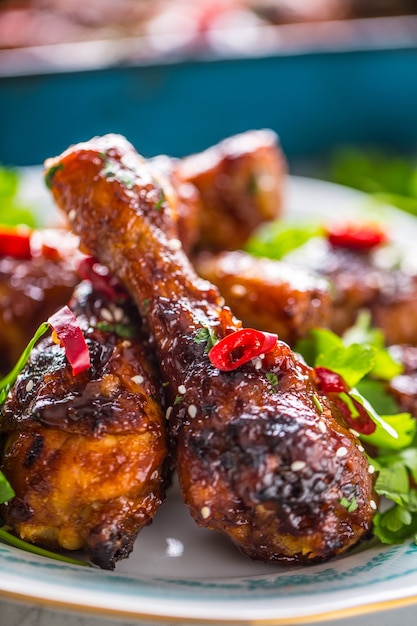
x=7, y=382
x=389, y=178
x=50, y=173
x=161, y=200
x=317, y=403
x=13, y=211
x=6, y=490
x=206, y=335
x=113, y=169
x=126, y=331
x=350, y=505
x=273, y=380
x=29, y=547
x=361, y=358
x=278, y=239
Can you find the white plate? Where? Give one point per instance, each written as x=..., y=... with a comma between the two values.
x=181, y=573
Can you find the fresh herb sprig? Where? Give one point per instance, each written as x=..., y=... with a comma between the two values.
x=363, y=360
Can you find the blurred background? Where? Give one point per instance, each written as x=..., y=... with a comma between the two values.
x=336, y=79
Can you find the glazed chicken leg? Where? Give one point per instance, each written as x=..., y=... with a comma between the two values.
x=86, y=454
x=260, y=456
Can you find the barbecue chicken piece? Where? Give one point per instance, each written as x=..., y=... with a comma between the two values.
x=269, y=295
x=404, y=386
x=359, y=280
x=86, y=454
x=261, y=454
x=33, y=287
x=241, y=182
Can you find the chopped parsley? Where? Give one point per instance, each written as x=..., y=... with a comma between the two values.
x=127, y=331
x=273, y=380
x=206, y=335
x=161, y=200
x=350, y=505
x=50, y=173
x=317, y=403
x=113, y=169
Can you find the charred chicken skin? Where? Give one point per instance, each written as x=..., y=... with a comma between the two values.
x=268, y=294
x=86, y=454
x=261, y=455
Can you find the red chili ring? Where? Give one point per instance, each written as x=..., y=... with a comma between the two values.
x=240, y=347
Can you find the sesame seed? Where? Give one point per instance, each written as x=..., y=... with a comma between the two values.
x=29, y=385
x=371, y=469
x=72, y=215
x=182, y=389
x=361, y=449
x=168, y=412
x=126, y=343
x=297, y=466
x=106, y=315
x=342, y=451
x=322, y=426
x=138, y=379
x=205, y=512
x=192, y=410
x=258, y=363
x=373, y=505
x=118, y=314
x=174, y=244
x=354, y=432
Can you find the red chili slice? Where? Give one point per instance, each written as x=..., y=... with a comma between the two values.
x=15, y=242
x=361, y=237
x=329, y=381
x=240, y=347
x=361, y=421
x=354, y=413
x=101, y=279
x=71, y=337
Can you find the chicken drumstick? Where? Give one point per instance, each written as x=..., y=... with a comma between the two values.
x=261, y=455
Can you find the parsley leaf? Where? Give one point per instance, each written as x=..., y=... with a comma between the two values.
x=350, y=505
x=6, y=490
x=127, y=331
x=277, y=239
x=325, y=349
x=206, y=335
